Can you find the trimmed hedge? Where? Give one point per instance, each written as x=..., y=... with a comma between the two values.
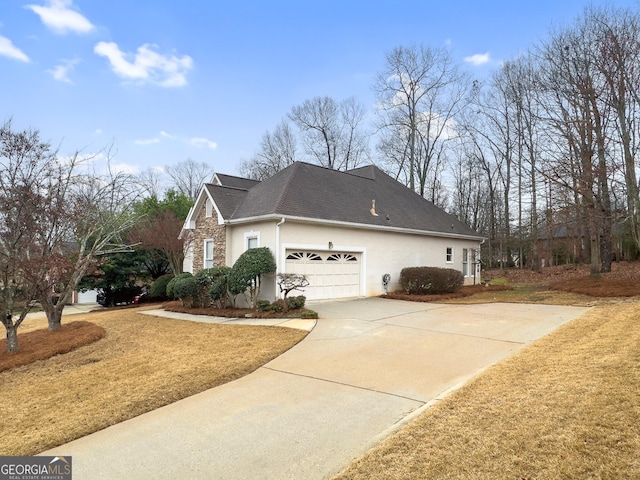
x=430, y=280
x=218, y=290
x=171, y=285
x=186, y=289
x=158, y=290
x=293, y=303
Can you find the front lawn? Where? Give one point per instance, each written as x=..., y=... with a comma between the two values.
x=141, y=363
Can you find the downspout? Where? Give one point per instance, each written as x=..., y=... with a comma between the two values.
x=279, y=267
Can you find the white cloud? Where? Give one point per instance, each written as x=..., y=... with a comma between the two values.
x=200, y=142
x=61, y=72
x=98, y=131
x=147, y=141
x=8, y=49
x=478, y=59
x=59, y=17
x=146, y=65
x=197, y=142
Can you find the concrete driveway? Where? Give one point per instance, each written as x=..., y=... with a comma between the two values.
x=368, y=366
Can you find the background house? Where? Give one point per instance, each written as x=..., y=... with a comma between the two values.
x=343, y=230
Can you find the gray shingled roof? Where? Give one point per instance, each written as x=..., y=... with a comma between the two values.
x=309, y=191
x=236, y=182
x=226, y=199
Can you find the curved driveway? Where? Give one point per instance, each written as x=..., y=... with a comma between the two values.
x=367, y=367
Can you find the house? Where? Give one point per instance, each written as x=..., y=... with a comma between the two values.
x=344, y=230
x=563, y=238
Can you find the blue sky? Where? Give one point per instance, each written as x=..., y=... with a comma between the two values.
x=166, y=80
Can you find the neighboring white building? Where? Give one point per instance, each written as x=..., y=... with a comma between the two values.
x=343, y=230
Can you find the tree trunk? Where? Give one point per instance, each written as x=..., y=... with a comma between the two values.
x=54, y=319
x=53, y=307
x=12, y=337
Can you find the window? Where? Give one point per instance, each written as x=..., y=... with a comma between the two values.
x=308, y=256
x=208, y=253
x=449, y=254
x=342, y=257
x=209, y=208
x=251, y=240
x=465, y=262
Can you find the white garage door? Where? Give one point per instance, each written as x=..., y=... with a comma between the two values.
x=330, y=274
x=87, y=297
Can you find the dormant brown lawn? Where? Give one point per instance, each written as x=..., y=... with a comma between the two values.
x=567, y=407
x=140, y=364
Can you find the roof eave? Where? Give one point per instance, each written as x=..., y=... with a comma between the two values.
x=363, y=226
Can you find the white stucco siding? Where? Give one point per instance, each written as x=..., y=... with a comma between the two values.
x=380, y=252
x=377, y=252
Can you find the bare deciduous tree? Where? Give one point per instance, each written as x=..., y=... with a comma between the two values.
x=54, y=220
x=331, y=131
x=278, y=150
x=188, y=176
x=420, y=92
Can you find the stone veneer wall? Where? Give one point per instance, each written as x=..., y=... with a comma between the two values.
x=208, y=228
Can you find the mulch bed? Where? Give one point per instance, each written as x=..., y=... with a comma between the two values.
x=466, y=291
x=231, y=312
x=622, y=281
x=599, y=287
x=43, y=344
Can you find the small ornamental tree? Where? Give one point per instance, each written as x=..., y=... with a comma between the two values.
x=288, y=282
x=246, y=272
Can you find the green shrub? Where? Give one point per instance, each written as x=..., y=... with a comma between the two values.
x=293, y=303
x=218, y=290
x=186, y=289
x=264, y=306
x=430, y=280
x=277, y=306
x=170, y=286
x=309, y=314
x=158, y=290
x=205, y=279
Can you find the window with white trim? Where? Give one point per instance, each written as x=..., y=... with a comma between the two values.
x=251, y=240
x=449, y=254
x=465, y=262
x=208, y=253
x=209, y=208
